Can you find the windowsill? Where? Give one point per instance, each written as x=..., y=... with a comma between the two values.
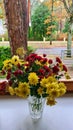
x=68, y=83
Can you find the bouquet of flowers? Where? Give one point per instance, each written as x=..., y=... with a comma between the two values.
x=36, y=76
x=3, y=88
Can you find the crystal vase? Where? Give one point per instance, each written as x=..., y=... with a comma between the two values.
x=36, y=106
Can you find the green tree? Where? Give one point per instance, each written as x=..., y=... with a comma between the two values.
x=52, y=26
x=53, y=20
x=66, y=27
x=38, y=25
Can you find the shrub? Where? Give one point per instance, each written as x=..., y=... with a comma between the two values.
x=5, y=53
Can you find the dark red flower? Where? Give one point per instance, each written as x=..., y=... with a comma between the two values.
x=44, y=55
x=40, y=77
x=8, y=75
x=58, y=60
x=27, y=58
x=18, y=72
x=44, y=60
x=27, y=69
x=10, y=82
x=3, y=87
x=3, y=72
x=64, y=68
x=55, y=69
x=9, y=70
x=50, y=61
x=33, y=55
x=38, y=58
x=42, y=71
x=27, y=64
x=47, y=69
x=57, y=64
x=18, y=65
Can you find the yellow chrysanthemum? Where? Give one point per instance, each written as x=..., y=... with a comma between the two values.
x=52, y=86
x=15, y=60
x=44, y=82
x=51, y=79
x=20, y=51
x=40, y=91
x=48, y=85
x=7, y=65
x=17, y=91
x=54, y=93
x=62, y=85
x=62, y=92
x=24, y=89
x=51, y=101
x=11, y=91
x=23, y=85
x=25, y=93
x=7, y=62
x=67, y=76
x=33, y=78
x=22, y=93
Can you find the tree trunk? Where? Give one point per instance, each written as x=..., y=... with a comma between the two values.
x=50, y=42
x=16, y=15
x=51, y=21
x=69, y=42
x=69, y=10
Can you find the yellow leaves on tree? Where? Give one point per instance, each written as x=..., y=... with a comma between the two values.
x=49, y=29
x=58, y=9
x=47, y=21
x=2, y=10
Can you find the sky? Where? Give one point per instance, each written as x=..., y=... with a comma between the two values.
x=2, y=30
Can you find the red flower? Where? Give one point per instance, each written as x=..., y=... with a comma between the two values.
x=44, y=55
x=8, y=75
x=64, y=68
x=26, y=64
x=47, y=68
x=38, y=58
x=3, y=87
x=18, y=72
x=42, y=71
x=57, y=64
x=18, y=65
x=27, y=58
x=10, y=82
x=55, y=69
x=3, y=72
x=50, y=61
x=58, y=60
x=33, y=55
x=40, y=76
x=44, y=60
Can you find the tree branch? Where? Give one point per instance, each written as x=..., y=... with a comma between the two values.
x=66, y=6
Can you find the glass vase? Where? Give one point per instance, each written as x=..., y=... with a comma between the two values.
x=36, y=106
